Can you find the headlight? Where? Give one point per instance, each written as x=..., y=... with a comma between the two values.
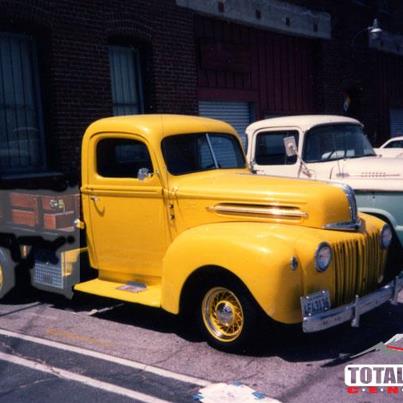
x=386, y=236
x=323, y=257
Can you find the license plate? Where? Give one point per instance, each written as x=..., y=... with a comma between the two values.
x=315, y=303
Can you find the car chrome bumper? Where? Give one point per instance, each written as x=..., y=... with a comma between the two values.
x=353, y=311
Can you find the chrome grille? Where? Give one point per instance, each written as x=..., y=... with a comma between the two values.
x=358, y=266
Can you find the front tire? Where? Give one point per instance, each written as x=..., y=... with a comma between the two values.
x=228, y=316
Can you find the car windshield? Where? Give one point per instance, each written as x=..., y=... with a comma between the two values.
x=332, y=142
x=197, y=152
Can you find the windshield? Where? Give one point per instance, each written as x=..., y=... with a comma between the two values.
x=332, y=142
x=201, y=152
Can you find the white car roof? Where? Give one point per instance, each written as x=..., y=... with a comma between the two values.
x=393, y=139
x=304, y=122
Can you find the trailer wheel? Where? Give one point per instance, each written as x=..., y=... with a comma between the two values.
x=7, y=272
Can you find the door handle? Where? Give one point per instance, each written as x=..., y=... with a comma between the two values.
x=99, y=206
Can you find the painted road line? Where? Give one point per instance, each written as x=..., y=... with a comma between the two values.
x=121, y=361
x=71, y=376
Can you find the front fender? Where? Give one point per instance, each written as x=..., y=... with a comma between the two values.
x=386, y=206
x=259, y=254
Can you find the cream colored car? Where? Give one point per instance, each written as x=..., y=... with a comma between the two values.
x=393, y=148
x=330, y=148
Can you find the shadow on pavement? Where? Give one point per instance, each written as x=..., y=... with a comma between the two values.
x=287, y=342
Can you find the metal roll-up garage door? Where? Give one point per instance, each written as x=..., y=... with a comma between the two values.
x=237, y=114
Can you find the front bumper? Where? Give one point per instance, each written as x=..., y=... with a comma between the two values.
x=353, y=311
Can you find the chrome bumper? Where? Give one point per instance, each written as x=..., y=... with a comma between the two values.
x=353, y=311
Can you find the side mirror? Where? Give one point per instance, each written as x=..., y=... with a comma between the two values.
x=143, y=173
x=252, y=166
x=290, y=146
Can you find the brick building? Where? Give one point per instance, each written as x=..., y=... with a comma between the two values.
x=65, y=63
x=297, y=56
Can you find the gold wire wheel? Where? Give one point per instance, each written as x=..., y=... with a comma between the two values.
x=222, y=314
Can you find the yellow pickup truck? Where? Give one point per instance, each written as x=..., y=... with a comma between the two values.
x=173, y=218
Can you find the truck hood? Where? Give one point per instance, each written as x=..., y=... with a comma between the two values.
x=241, y=196
x=370, y=173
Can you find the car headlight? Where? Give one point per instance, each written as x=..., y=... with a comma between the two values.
x=386, y=236
x=323, y=257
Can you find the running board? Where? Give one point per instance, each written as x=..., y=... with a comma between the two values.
x=138, y=293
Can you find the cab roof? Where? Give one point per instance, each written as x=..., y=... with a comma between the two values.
x=304, y=122
x=155, y=127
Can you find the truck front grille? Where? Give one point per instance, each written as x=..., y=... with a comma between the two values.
x=358, y=267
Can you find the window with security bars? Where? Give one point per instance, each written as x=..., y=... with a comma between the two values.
x=126, y=80
x=21, y=126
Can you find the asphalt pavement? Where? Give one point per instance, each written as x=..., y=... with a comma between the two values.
x=284, y=364
x=34, y=369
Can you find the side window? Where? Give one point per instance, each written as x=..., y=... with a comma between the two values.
x=270, y=148
x=395, y=144
x=122, y=158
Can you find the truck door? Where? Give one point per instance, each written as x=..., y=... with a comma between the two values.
x=129, y=227
x=270, y=157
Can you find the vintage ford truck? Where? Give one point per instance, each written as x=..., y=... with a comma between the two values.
x=174, y=219
x=331, y=148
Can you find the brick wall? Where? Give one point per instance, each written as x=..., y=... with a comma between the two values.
x=345, y=63
x=72, y=38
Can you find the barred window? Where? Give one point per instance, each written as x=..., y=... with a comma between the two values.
x=126, y=80
x=21, y=126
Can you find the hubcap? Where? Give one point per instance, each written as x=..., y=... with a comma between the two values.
x=222, y=314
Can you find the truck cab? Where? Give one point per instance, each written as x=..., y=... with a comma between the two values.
x=174, y=219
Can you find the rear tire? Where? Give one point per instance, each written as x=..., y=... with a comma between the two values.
x=228, y=316
x=7, y=272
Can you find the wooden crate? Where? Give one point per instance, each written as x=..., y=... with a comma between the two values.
x=24, y=209
x=27, y=218
x=26, y=201
x=59, y=203
x=52, y=221
x=43, y=211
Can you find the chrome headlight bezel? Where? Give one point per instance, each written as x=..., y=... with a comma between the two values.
x=323, y=266
x=386, y=236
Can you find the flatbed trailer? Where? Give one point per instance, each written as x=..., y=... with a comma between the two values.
x=35, y=243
